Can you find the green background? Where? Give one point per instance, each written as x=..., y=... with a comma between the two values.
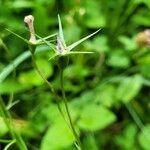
x=108, y=91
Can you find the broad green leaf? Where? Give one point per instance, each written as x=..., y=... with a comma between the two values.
x=144, y=69
x=144, y=63
x=105, y=95
x=100, y=43
x=22, y=4
x=93, y=22
x=93, y=117
x=144, y=137
x=76, y=71
x=39, y=13
x=129, y=88
x=70, y=47
x=142, y=19
x=57, y=137
x=31, y=77
x=118, y=60
x=10, y=86
x=93, y=17
x=89, y=142
x=128, y=43
x=126, y=139
x=70, y=29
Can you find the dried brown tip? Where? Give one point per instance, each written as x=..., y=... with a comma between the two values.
x=29, y=21
x=143, y=38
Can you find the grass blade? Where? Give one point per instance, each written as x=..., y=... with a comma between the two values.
x=9, y=123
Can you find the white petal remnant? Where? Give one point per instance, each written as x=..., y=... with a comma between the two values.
x=60, y=47
x=29, y=21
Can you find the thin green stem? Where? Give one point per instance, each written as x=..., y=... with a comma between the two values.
x=67, y=110
x=9, y=123
x=49, y=85
x=137, y=119
x=9, y=145
x=5, y=141
x=8, y=69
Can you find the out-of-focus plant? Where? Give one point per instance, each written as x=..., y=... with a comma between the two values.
x=61, y=51
x=107, y=92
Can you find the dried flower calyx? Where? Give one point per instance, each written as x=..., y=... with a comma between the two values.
x=29, y=21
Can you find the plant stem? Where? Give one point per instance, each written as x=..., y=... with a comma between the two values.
x=67, y=110
x=57, y=97
x=9, y=145
x=8, y=69
x=49, y=85
x=137, y=119
x=9, y=123
x=5, y=141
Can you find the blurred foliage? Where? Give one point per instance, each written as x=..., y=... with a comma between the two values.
x=98, y=86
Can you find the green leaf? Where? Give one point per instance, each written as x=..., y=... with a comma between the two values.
x=144, y=63
x=31, y=77
x=118, y=59
x=106, y=95
x=76, y=71
x=57, y=137
x=93, y=117
x=39, y=13
x=128, y=43
x=89, y=142
x=10, y=86
x=129, y=88
x=72, y=29
x=126, y=140
x=144, y=137
x=94, y=16
x=21, y=4
x=3, y=127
